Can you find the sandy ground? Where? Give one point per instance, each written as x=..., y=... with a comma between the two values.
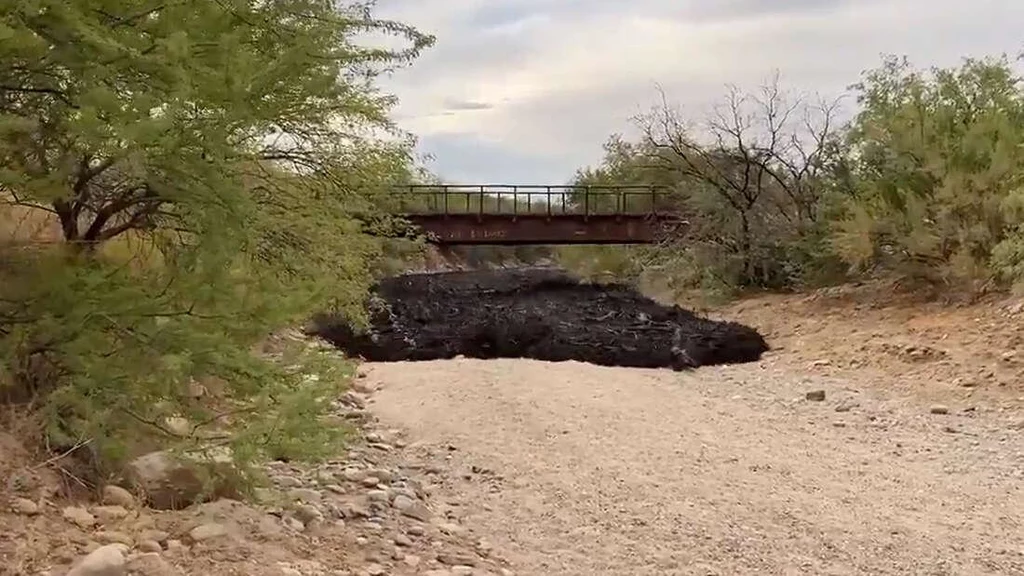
x=574, y=469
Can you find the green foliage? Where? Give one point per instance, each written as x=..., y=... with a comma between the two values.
x=212, y=167
x=938, y=172
x=751, y=188
x=925, y=183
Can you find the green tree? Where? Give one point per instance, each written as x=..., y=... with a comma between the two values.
x=937, y=159
x=754, y=181
x=206, y=162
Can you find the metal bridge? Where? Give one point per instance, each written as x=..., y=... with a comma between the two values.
x=504, y=214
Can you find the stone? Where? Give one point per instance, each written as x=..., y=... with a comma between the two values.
x=451, y=529
x=815, y=396
x=411, y=560
x=110, y=514
x=117, y=496
x=113, y=537
x=154, y=535
x=25, y=507
x=454, y=559
x=370, y=481
x=382, y=475
x=307, y=513
x=416, y=530
x=79, y=517
x=377, y=496
x=151, y=564
x=354, y=475
x=175, y=546
x=376, y=570
x=178, y=426
x=402, y=540
x=461, y=570
x=412, y=508
x=939, y=409
x=307, y=495
x=287, y=481
x=207, y=532
x=106, y=560
x=172, y=483
x=149, y=546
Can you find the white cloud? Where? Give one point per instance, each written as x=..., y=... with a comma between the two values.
x=551, y=79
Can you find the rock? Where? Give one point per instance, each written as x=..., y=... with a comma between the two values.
x=815, y=396
x=175, y=546
x=412, y=508
x=370, y=481
x=207, y=532
x=307, y=513
x=451, y=529
x=151, y=564
x=106, y=560
x=117, y=496
x=437, y=573
x=454, y=559
x=382, y=475
x=154, y=535
x=939, y=409
x=113, y=537
x=110, y=514
x=287, y=481
x=354, y=474
x=149, y=546
x=411, y=560
x=377, y=496
x=402, y=540
x=354, y=510
x=376, y=570
x=178, y=426
x=172, y=483
x=25, y=507
x=307, y=495
x=461, y=570
x=79, y=517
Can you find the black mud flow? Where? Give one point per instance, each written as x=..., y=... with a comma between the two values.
x=535, y=313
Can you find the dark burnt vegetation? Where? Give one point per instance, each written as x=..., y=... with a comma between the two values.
x=535, y=313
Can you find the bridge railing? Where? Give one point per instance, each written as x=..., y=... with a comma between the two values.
x=514, y=200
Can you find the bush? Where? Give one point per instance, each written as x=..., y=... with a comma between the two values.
x=210, y=169
x=937, y=159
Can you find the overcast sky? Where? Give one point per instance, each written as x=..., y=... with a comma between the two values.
x=526, y=91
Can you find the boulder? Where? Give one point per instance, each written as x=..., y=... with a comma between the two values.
x=171, y=482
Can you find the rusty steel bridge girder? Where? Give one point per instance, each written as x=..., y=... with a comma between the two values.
x=472, y=229
x=521, y=215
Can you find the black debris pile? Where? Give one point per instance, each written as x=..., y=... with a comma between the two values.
x=535, y=313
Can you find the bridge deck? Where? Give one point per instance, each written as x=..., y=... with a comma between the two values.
x=515, y=215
